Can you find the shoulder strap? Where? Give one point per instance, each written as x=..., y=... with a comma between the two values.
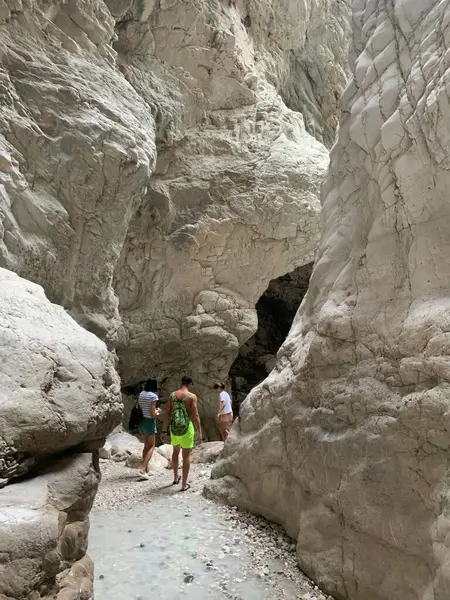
x=175, y=399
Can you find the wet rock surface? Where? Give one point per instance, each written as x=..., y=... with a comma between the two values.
x=149, y=540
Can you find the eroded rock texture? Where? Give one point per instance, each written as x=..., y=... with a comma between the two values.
x=152, y=179
x=347, y=441
x=44, y=532
x=59, y=393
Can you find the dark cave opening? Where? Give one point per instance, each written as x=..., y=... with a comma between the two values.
x=276, y=310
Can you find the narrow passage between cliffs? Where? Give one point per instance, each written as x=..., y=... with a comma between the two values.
x=149, y=541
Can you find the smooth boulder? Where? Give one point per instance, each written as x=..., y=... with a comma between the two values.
x=44, y=532
x=58, y=384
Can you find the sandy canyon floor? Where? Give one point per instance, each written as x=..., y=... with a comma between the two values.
x=151, y=541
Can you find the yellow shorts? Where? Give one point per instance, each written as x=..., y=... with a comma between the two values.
x=186, y=441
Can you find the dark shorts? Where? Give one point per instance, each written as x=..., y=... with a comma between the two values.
x=147, y=427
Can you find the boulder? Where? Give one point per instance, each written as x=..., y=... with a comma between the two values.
x=44, y=531
x=166, y=450
x=58, y=385
x=206, y=452
x=157, y=463
x=124, y=447
x=346, y=443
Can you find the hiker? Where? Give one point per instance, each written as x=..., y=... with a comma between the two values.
x=182, y=417
x=147, y=426
x=225, y=412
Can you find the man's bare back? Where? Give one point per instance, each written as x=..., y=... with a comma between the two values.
x=190, y=401
x=186, y=441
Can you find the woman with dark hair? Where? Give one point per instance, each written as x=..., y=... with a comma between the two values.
x=147, y=427
x=225, y=412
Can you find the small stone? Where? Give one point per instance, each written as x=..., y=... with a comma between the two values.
x=102, y=577
x=226, y=549
x=141, y=545
x=189, y=579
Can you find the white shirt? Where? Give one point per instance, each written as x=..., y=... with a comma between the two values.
x=146, y=399
x=225, y=397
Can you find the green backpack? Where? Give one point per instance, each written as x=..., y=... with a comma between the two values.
x=179, y=419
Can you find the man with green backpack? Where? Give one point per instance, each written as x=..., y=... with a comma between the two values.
x=182, y=417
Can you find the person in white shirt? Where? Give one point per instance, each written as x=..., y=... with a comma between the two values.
x=225, y=412
x=147, y=427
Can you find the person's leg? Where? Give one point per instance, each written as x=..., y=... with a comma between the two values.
x=227, y=426
x=186, y=467
x=187, y=444
x=144, y=449
x=175, y=458
x=150, y=446
x=223, y=429
x=144, y=453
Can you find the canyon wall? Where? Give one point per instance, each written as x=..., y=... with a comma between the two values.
x=152, y=178
x=346, y=443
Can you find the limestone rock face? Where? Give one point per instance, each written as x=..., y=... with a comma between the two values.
x=76, y=151
x=43, y=532
x=346, y=442
x=58, y=385
x=207, y=452
x=152, y=179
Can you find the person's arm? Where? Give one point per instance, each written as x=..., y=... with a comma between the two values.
x=195, y=417
x=167, y=415
x=221, y=406
x=153, y=409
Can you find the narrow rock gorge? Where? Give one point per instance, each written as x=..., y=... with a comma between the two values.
x=346, y=442
x=160, y=164
x=153, y=179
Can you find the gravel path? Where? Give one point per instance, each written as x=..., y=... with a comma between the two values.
x=150, y=541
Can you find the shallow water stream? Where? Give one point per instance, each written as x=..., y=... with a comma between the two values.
x=149, y=541
x=170, y=551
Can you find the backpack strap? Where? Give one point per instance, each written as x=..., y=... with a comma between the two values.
x=175, y=399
